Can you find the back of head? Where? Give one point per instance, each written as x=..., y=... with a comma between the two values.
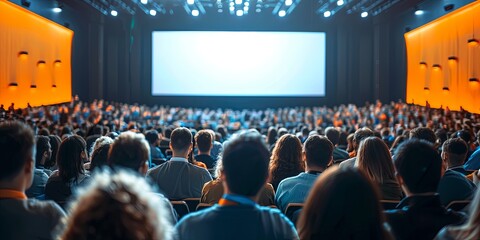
x=43, y=146
x=361, y=134
x=130, y=150
x=288, y=148
x=465, y=135
x=100, y=157
x=375, y=160
x=271, y=135
x=318, y=151
x=333, y=135
x=16, y=146
x=168, y=132
x=117, y=206
x=55, y=142
x=71, y=157
x=419, y=164
x=457, y=150
x=329, y=213
x=423, y=133
x=181, y=139
x=204, y=140
x=245, y=164
x=151, y=136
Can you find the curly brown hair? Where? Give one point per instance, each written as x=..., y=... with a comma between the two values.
x=286, y=160
x=118, y=206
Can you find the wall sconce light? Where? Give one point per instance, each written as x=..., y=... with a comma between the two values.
x=472, y=42
x=437, y=67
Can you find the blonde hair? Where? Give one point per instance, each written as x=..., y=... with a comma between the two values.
x=117, y=205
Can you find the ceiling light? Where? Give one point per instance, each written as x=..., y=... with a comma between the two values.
x=190, y=2
x=340, y=2
x=238, y=2
x=195, y=12
x=282, y=13
x=144, y=1
x=239, y=13
x=419, y=12
x=153, y=12
x=364, y=14
x=288, y=2
x=114, y=13
x=327, y=14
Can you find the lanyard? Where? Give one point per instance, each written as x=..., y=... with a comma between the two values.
x=232, y=200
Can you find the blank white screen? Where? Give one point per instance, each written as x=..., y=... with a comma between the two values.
x=202, y=63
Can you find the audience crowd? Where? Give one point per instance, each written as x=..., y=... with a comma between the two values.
x=107, y=170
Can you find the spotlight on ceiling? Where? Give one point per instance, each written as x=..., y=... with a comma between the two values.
x=340, y=2
x=238, y=2
x=57, y=9
x=364, y=14
x=288, y=3
x=327, y=14
x=114, y=13
x=419, y=12
x=195, y=12
x=239, y=13
x=190, y=2
x=153, y=12
x=144, y=1
x=282, y=13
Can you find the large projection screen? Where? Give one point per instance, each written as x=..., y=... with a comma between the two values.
x=216, y=63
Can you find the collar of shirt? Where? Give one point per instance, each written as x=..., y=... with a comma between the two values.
x=10, y=193
x=178, y=159
x=233, y=200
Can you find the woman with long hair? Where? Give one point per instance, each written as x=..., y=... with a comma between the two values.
x=470, y=230
x=71, y=173
x=118, y=206
x=343, y=204
x=375, y=161
x=286, y=160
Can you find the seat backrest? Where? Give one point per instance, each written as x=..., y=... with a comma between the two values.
x=389, y=204
x=292, y=208
x=202, y=206
x=181, y=208
x=458, y=205
x=192, y=203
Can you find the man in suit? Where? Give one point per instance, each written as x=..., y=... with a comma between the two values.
x=420, y=215
x=22, y=218
x=177, y=178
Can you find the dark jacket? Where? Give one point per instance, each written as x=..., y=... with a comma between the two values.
x=421, y=217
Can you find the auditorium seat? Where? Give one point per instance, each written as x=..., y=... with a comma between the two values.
x=191, y=203
x=202, y=206
x=389, y=204
x=458, y=205
x=181, y=208
x=291, y=209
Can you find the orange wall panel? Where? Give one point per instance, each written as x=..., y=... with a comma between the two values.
x=449, y=61
x=47, y=64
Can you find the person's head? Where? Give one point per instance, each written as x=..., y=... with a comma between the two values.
x=287, y=154
x=318, y=152
x=130, y=150
x=465, y=135
x=44, y=150
x=333, y=135
x=240, y=154
x=454, y=152
x=71, y=156
x=329, y=213
x=204, y=141
x=168, y=132
x=423, y=133
x=100, y=142
x=181, y=141
x=359, y=135
x=17, y=145
x=100, y=157
x=272, y=135
x=152, y=137
x=282, y=131
x=55, y=142
x=117, y=206
x=418, y=166
x=350, y=146
x=375, y=160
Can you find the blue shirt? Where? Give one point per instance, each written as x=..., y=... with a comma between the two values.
x=236, y=222
x=294, y=189
x=473, y=162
